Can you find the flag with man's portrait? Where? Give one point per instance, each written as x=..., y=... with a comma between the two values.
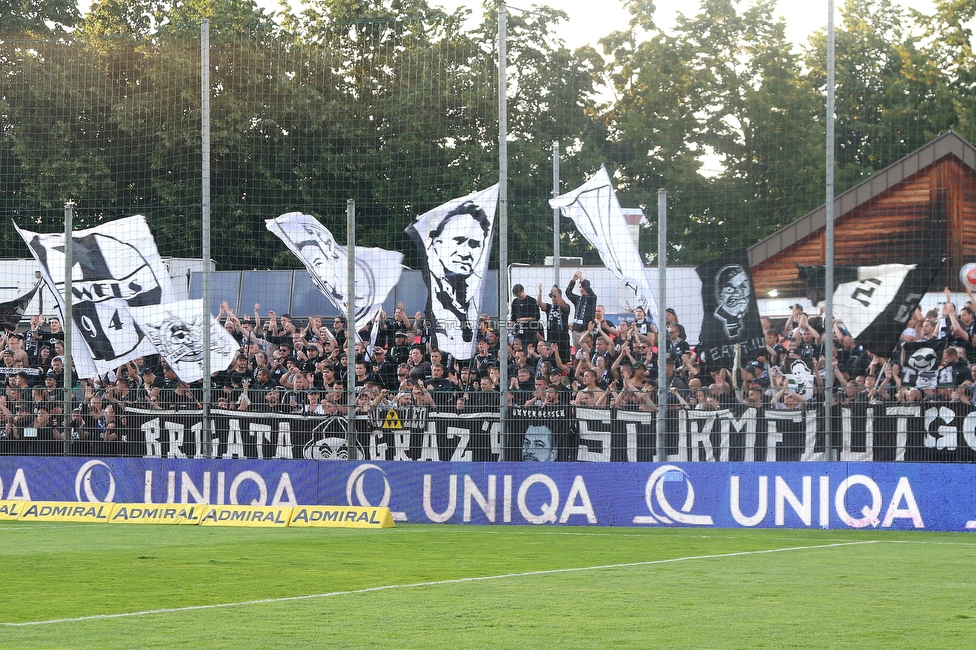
x=454, y=241
x=377, y=270
x=594, y=208
x=115, y=266
x=731, y=312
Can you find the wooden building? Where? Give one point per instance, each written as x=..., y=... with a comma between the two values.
x=924, y=204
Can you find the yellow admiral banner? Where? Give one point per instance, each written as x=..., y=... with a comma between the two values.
x=341, y=517
x=198, y=514
x=148, y=513
x=66, y=511
x=268, y=516
x=10, y=510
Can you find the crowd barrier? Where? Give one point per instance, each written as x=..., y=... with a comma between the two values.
x=885, y=496
x=930, y=432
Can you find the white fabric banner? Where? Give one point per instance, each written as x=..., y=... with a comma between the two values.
x=859, y=303
x=594, y=208
x=176, y=331
x=455, y=242
x=327, y=263
x=115, y=266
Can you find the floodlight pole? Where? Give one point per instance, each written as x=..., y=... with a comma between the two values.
x=555, y=213
x=69, y=213
x=205, y=227
x=502, y=224
x=662, y=330
x=828, y=335
x=351, y=329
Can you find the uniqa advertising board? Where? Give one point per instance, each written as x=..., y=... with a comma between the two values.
x=897, y=496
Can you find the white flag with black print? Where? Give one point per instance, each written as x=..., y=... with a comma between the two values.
x=594, y=208
x=377, y=270
x=115, y=266
x=176, y=331
x=454, y=240
x=876, y=307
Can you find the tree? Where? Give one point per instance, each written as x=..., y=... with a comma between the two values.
x=891, y=98
x=36, y=17
x=715, y=113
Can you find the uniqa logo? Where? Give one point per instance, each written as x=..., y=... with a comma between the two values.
x=662, y=512
x=83, y=481
x=356, y=484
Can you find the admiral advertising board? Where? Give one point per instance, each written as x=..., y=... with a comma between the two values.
x=896, y=496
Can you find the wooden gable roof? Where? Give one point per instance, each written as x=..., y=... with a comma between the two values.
x=923, y=204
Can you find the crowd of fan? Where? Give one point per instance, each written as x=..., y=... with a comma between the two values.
x=557, y=356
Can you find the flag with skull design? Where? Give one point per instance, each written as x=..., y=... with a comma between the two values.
x=176, y=331
x=921, y=363
x=731, y=311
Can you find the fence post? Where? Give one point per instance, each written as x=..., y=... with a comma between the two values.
x=205, y=226
x=69, y=213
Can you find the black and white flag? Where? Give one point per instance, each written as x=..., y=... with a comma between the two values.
x=454, y=240
x=921, y=361
x=815, y=277
x=176, y=331
x=327, y=263
x=115, y=266
x=11, y=312
x=731, y=311
x=876, y=306
x=594, y=208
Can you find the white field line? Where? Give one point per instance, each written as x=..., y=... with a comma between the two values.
x=434, y=583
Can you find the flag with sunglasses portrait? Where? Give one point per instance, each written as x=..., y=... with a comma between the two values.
x=731, y=312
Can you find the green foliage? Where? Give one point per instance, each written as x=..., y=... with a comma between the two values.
x=37, y=17
x=891, y=98
x=711, y=113
x=393, y=103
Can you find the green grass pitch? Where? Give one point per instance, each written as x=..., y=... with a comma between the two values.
x=423, y=586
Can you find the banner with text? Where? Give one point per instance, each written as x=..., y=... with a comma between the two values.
x=901, y=496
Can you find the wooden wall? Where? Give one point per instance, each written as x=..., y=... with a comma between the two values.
x=933, y=210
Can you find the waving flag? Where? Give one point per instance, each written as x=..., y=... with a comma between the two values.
x=455, y=242
x=594, y=208
x=176, y=331
x=377, y=270
x=876, y=306
x=11, y=312
x=116, y=266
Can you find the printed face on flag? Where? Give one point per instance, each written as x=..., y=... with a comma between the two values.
x=731, y=314
x=537, y=445
x=454, y=240
x=732, y=290
x=377, y=270
x=457, y=245
x=329, y=266
x=322, y=257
